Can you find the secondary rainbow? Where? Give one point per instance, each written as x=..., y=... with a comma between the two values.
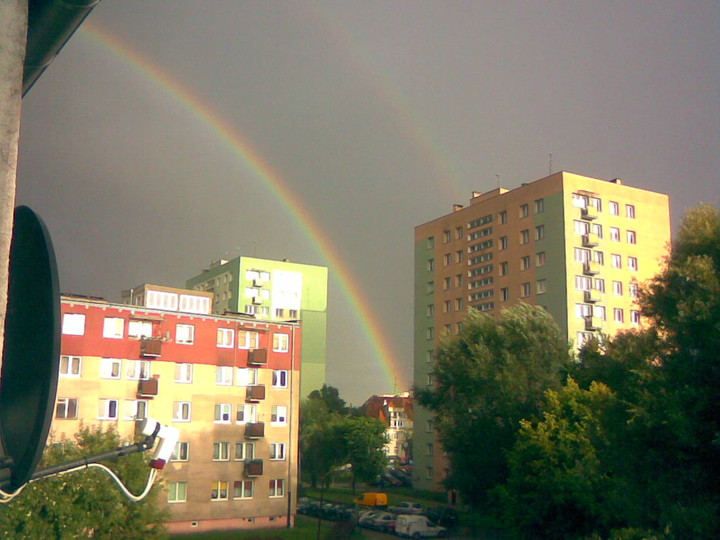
x=261, y=169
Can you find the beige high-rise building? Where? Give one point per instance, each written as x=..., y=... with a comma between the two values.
x=577, y=246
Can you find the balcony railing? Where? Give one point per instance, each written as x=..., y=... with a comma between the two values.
x=591, y=296
x=148, y=388
x=590, y=268
x=590, y=240
x=588, y=213
x=592, y=323
x=255, y=392
x=254, y=468
x=151, y=347
x=257, y=357
x=255, y=430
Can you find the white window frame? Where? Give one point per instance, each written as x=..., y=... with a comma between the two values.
x=277, y=451
x=277, y=488
x=244, y=451
x=71, y=363
x=279, y=415
x=631, y=237
x=216, y=493
x=616, y=261
x=280, y=378
x=181, y=452
x=67, y=406
x=614, y=234
x=248, y=339
x=136, y=409
x=108, y=409
x=225, y=338
x=221, y=451
x=249, y=413
x=630, y=211
x=185, y=334
x=183, y=373
x=113, y=327
x=634, y=316
x=618, y=315
x=223, y=413
x=244, y=492
x=137, y=370
x=140, y=329
x=281, y=342
x=246, y=376
x=633, y=290
x=73, y=324
x=224, y=375
x=614, y=208
x=174, y=492
x=182, y=411
x=617, y=288
x=632, y=263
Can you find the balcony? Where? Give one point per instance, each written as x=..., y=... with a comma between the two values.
x=589, y=213
x=590, y=240
x=590, y=297
x=592, y=323
x=148, y=388
x=255, y=430
x=254, y=468
x=150, y=347
x=591, y=268
x=257, y=357
x=255, y=392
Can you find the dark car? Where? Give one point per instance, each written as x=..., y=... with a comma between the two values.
x=406, y=508
x=442, y=515
x=384, y=522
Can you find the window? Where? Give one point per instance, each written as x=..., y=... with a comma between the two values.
x=633, y=290
x=599, y=257
x=181, y=411
x=583, y=283
x=246, y=376
x=504, y=294
x=581, y=227
x=138, y=370
x=458, y=233
x=524, y=211
x=458, y=304
x=618, y=315
x=219, y=491
x=431, y=265
x=617, y=288
x=582, y=255
x=446, y=330
x=631, y=237
x=73, y=324
x=579, y=201
x=582, y=311
x=177, y=492
x=243, y=489
x=614, y=208
x=632, y=263
x=583, y=338
x=221, y=451
x=503, y=243
x=447, y=259
x=430, y=242
x=598, y=230
x=540, y=286
x=224, y=375
x=246, y=412
x=430, y=333
x=525, y=262
x=185, y=334
x=540, y=259
x=277, y=451
x=108, y=409
x=524, y=236
x=279, y=415
x=136, y=409
x=634, y=316
x=458, y=280
x=616, y=260
x=446, y=237
x=503, y=217
x=539, y=206
x=596, y=203
x=183, y=373
x=430, y=287
x=66, y=408
x=280, y=342
x=113, y=327
x=539, y=232
x=599, y=285
x=140, y=329
x=225, y=337
x=429, y=449
x=430, y=311
x=181, y=452
x=447, y=283
x=70, y=366
x=503, y=268
x=630, y=211
x=459, y=256
x=599, y=312
x=614, y=234
x=223, y=411
x=525, y=290
x=247, y=339
x=293, y=314
x=280, y=378
x=244, y=451
x=429, y=473
x=110, y=368
x=277, y=487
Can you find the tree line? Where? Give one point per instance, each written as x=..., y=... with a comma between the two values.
x=621, y=440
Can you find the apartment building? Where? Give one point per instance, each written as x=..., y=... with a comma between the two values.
x=396, y=412
x=277, y=291
x=577, y=246
x=229, y=384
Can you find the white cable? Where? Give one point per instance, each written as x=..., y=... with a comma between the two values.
x=7, y=497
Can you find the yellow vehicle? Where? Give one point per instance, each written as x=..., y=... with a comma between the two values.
x=379, y=500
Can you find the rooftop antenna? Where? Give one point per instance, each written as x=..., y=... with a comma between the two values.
x=549, y=164
x=497, y=180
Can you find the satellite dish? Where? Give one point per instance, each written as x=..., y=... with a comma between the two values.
x=30, y=362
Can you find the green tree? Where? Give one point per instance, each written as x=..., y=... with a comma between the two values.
x=365, y=439
x=322, y=446
x=331, y=397
x=487, y=379
x=85, y=503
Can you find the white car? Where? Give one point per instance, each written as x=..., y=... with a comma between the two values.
x=414, y=526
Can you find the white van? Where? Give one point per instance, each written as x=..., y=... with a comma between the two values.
x=418, y=527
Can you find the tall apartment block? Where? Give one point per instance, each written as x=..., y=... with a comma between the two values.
x=278, y=291
x=577, y=246
x=229, y=384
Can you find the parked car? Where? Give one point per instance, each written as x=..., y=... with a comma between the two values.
x=365, y=518
x=384, y=522
x=414, y=526
x=372, y=499
x=406, y=508
x=442, y=515
x=404, y=478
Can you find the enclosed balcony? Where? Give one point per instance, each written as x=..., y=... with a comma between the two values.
x=150, y=347
x=254, y=430
x=257, y=357
x=255, y=392
x=590, y=240
x=254, y=468
x=589, y=213
x=148, y=388
x=591, y=268
x=592, y=323
x=591, y=296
